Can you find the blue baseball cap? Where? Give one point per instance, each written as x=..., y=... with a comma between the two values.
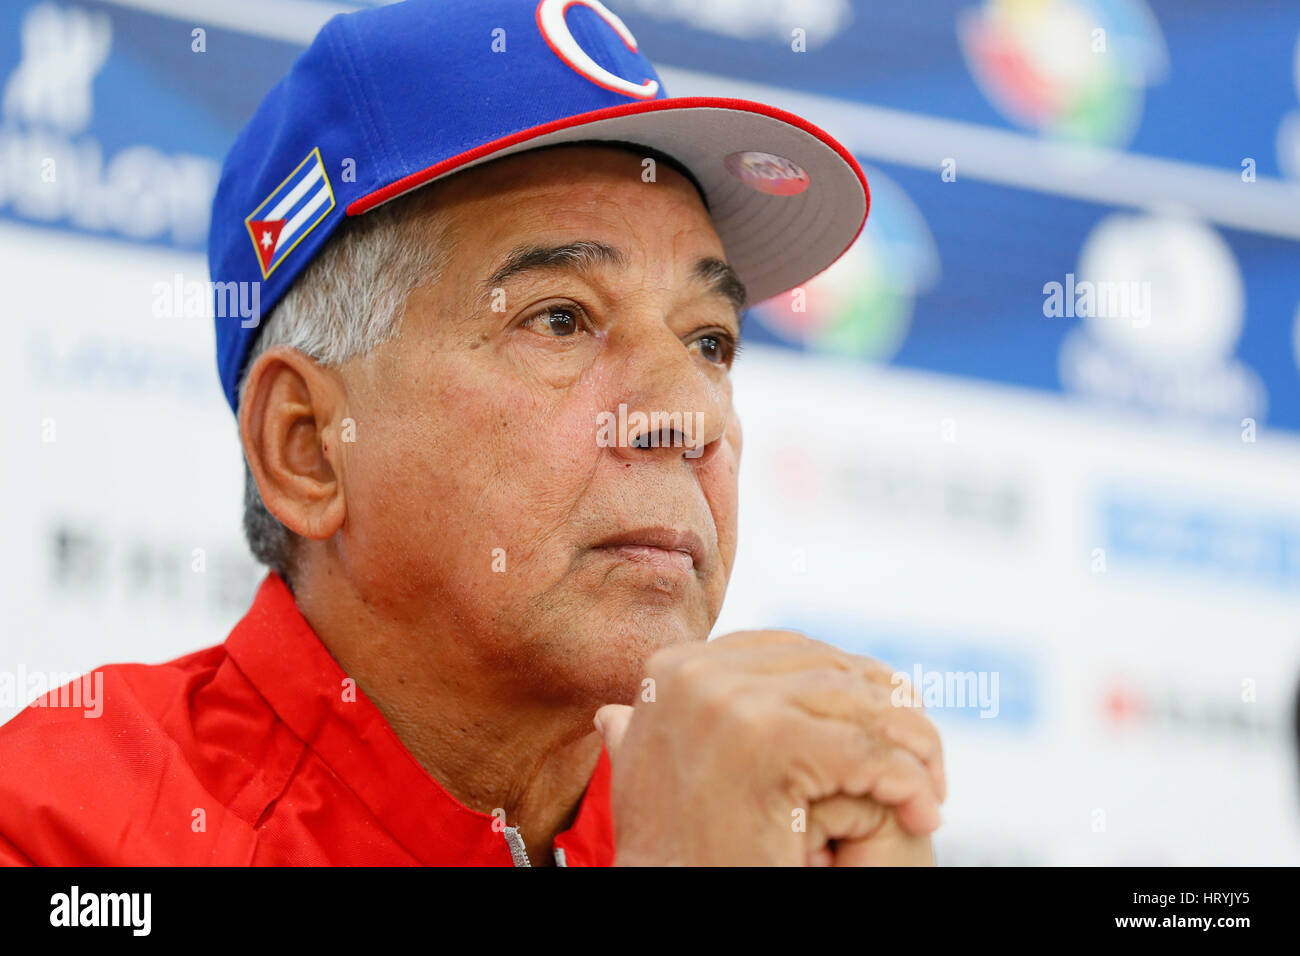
x=389, y=99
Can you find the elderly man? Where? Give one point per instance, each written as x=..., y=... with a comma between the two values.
x=483, y=232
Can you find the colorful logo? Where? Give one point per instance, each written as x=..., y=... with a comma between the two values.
x=861, y=307
x=1071, y=70
x=286, y=216
x=768, y=173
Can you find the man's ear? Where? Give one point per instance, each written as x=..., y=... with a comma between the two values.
x=289, y=423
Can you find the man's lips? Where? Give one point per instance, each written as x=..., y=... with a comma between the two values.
x=663, y=547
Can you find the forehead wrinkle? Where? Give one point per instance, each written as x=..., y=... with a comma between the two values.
x=586, y=255
x=582, y=255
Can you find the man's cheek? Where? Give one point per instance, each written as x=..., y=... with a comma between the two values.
x=534, y=471
x=547, y=367
x=544, y=484
x=735, y=437
x=410, y=477
x=721, y=490
x=567, y=433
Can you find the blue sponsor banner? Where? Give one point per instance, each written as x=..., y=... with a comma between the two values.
x=115, y=120
x=1225, y=307
x=1231, y=546
x=1193, y=80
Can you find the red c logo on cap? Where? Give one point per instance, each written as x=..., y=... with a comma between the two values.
x=550, y=20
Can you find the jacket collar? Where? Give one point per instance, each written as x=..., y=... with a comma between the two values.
x=279, y=653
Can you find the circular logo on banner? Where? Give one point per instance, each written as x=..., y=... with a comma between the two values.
x=1072, y=70
x=768, y=173
x=861, y=307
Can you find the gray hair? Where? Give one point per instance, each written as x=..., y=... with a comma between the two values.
x=350, y=299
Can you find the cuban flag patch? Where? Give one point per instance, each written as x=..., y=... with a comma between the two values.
x=286, y=216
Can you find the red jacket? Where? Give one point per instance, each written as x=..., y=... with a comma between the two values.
x=244, y=754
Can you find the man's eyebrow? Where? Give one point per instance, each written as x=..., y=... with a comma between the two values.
x=580, y=255
x=585, y=254
x=722, y=279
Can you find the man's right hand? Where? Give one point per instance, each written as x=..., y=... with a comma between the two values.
x=768, y=748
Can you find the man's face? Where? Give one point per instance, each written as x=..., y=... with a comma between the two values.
x=485, y=502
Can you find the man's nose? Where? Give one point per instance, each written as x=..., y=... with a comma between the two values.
x=667, y=405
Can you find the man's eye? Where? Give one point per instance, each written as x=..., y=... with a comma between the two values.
x=555, y=320
x=718, y=349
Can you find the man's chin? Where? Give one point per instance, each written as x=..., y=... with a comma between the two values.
x=615, y=657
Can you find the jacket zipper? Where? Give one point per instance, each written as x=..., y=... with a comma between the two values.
x=519, y=854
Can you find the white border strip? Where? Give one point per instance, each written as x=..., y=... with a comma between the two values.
x=294, y=21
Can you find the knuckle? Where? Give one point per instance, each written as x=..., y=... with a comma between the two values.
x=922, y=724
x=722, y=705
x=903, y=695
x=693, y=674
x=871, y=665
x=868, y=763
x=741, y=716
x=803, y=779
x=829, y=649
